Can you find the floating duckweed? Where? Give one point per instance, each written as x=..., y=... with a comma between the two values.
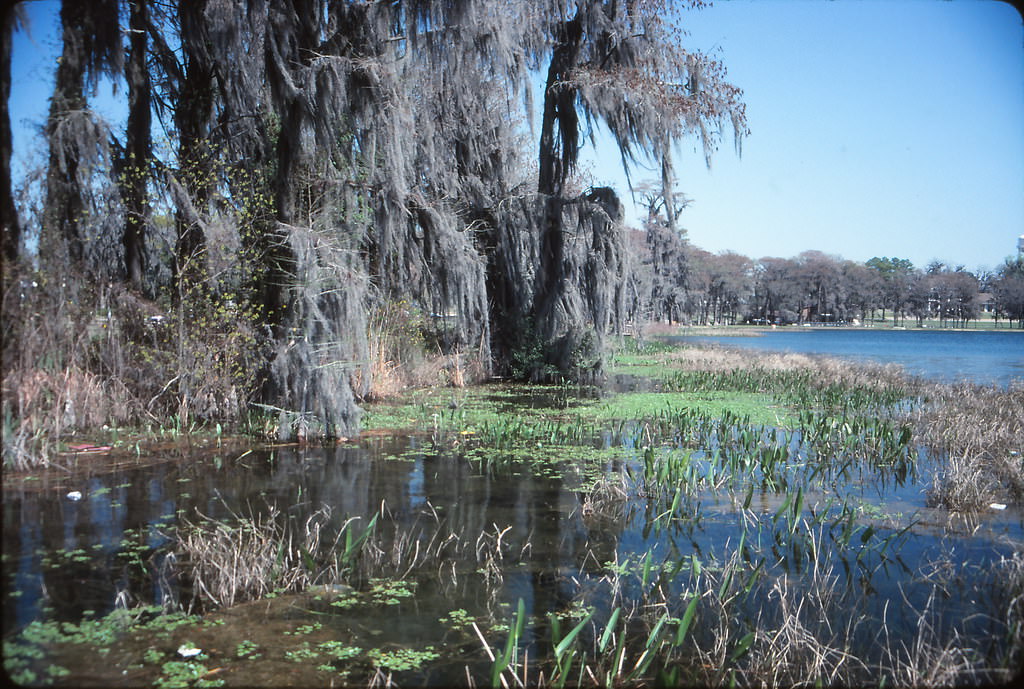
x=389, y=591
x=456, y=619
x=339, y=650
x=178, y=674
x=301, y=654
x=306, y=628
x=247, y=649
x=402, y=659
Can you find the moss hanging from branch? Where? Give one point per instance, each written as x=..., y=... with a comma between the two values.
x=324, y=344
x=353, y=155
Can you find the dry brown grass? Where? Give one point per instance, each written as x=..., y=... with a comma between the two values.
x=980, y=433
x=976, y=431
x=399, y=357
x=255, y=555
x=659, y=329
x=57, y=360
x=963, y=484
x=804, y=648
x=825, y=370
x=78, y=356
x=1010, y=585
x=929, y=660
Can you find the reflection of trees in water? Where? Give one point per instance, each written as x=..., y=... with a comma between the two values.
x=83, y=542
x=119, y=534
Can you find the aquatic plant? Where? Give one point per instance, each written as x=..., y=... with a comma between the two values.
x=258, y=554
x=977, y=432
x=402, y=659
x=697, y=546
x=178, y=674
x=247, y=649
x=964, y=484
x=1009, y=578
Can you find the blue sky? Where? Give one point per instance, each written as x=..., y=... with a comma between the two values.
x=878, y=127
x=890, y=128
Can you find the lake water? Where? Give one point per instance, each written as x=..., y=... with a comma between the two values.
x=982, y=356
x=473, y=524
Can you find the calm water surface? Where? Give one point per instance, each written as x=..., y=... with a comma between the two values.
x=976, y=356
x=64, y=557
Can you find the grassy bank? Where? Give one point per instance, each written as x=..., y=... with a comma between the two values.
x=976, y=430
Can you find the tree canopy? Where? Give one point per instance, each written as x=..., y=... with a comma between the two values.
x=321, y=161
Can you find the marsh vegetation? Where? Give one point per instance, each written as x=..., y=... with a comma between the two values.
x=247, y=437
x=720, y=517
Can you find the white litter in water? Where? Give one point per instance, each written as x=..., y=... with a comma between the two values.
x=75, y=495
x=998, y=506
x=188, y=651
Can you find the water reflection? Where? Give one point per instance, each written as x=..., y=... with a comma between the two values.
x=552, y=548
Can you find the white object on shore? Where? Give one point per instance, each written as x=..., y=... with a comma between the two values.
x=75, y=495
x=997, y=506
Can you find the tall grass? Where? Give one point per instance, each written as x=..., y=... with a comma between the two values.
x=52, y=343
x=975, y=432
x=978, y=431
x=1010, y=585
x=78, y=357
x=807, y=631
x=257, y=554
x=402, y=355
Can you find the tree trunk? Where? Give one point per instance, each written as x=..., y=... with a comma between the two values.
x=138, y=148
x=11, y=237
x=558, y=154
x=64, y=203
x=192, y=119
x=295, y=55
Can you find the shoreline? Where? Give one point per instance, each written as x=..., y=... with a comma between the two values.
x=759, y=330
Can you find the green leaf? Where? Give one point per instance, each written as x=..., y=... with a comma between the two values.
x=783, y=507
x=742, y=647
x=565, y=643
x=307, y=559
x=352, y=546
x=726, y=580
x=656, y=631
x=609, y=630
x=750, y=496
x=647, y=570
x=503, y=660
x=520, y=619
x=684, y=624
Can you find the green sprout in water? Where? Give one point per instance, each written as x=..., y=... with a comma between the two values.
x=390, y=592
x=247, y=649
x=306, y=628
x=457, y=619
x=402, y=659
x=180, y=673
x=302, y=653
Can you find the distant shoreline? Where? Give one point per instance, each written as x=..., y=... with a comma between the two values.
x=759, y=330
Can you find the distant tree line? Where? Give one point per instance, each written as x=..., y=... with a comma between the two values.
x=287, y=171
x=678, y=282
